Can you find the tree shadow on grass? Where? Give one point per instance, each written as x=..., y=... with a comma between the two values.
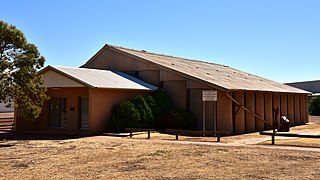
x=38, y=136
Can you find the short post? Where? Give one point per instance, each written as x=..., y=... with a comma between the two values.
x=272, y=137
x=130, y=134
x=177, y=133
x=218, y=137
x=148, y=134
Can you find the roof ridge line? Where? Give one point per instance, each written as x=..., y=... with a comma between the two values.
x=166, y=55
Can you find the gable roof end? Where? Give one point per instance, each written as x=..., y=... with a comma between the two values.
x=95, y=78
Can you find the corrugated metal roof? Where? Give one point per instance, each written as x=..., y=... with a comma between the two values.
x=223, y=76
x=96, y=78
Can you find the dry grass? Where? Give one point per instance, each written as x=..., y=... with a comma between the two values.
x=119, y=158
x=160, y=157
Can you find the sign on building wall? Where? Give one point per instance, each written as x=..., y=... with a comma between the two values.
x=209, y=95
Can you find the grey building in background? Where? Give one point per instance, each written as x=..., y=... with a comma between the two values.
x=311, y=86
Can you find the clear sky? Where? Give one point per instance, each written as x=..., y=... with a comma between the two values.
x=276, y=39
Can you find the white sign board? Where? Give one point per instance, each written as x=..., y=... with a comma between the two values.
x=209, y=95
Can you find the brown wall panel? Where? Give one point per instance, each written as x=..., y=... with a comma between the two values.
x=239, y=117
x=284, y=106
x=195, y=101
x=224, y=113
x=296, y=109
x=259, y=109
x=178, y=92
x=276, y=104
x=268, y=110
x=197, y=104
x=306, y=107
x=209, y=116
x=195, y=85
x=302, y=109
x=291, y=109
x=152, y=77
x=168, y=76
x=109, y=59
x=250, y=119
x=101, y=102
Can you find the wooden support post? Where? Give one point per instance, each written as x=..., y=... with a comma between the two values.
x=272, y=137
x=218, y=137
x=130, y=134
x=204, y=116
x=148, y=134
x=177, y=133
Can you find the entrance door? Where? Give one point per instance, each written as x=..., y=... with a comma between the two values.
x=58, y=112
x=84, y=109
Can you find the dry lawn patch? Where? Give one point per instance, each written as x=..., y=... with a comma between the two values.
x=103, y=157
x=160, y=157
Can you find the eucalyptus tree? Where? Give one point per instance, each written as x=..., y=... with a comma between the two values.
x=20, y=86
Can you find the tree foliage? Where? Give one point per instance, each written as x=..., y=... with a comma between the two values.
x=152, y=111
x=19, y=63
x=147, y=119
x=314, y=106
x=181, y=119
x=163, y=100
x=124, y=115
x=155, y=109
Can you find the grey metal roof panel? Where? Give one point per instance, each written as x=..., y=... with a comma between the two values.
x=97, y=78
x=217, y=74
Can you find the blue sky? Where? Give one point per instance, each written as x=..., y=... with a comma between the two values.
x=276, y=39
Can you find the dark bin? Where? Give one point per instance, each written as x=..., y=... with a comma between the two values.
x=284, y=124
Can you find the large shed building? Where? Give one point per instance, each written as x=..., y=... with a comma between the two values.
x=245, y=102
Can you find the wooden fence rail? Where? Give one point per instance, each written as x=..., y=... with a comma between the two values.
x=178, y=132
x=286, y=134
x=131, y=130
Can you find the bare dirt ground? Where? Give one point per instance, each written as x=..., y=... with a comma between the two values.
x=161, y=157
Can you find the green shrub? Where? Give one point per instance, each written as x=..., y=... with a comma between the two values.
x=314, y=106
x=182, y=119
x=147, y=119
x=124, y=115
x=156, y=111
x=163, y=100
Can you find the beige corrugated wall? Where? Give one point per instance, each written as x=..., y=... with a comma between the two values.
x=306, y=108
x=177, y=90
x=276, y=103
x=302, y=110
x=101, y=102
x=296, y=109
x=268, y=109
x=259, y=111
x=291, y=109
x=284, y=105
x=250, y=119
x=239, y=117
x=224, y=113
